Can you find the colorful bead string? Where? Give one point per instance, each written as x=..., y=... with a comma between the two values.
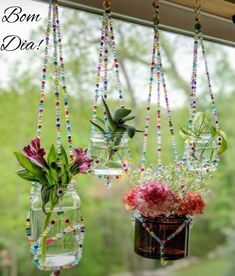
x=64, y=86
x=78, y=231
x=157, y=69
x=162, y=243
x=107, y=43
x=44, y=70
x=59, y=78
x=199, y=41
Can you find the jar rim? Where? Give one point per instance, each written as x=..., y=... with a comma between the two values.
x=166, y=219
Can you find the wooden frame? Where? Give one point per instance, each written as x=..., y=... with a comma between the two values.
x=174, y=17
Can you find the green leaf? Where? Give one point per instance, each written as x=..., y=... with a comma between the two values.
x=128, y=118
x=213, y=131
x=111, y=121
x=184, y=132
x=27, y=176
x=45, y=194
x=100, y=120
x=130, y=130
x=120, y=113
x=138, y=130
x=28, y=165
x=65, y=177
x=97, y=126
x=52, y=155
x=64, y=157
x=224, y=141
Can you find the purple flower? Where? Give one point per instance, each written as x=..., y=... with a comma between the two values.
x=35, y=153
x=82, y=162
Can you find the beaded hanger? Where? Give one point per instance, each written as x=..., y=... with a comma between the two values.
x=107, y=43
x=59, y=78
x=199, y=42
x=107, y=46
x=53, y=28
x=156, y=70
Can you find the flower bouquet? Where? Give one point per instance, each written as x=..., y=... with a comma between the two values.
x=54, y=229
x=162, y=211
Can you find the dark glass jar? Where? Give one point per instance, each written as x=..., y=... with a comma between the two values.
x=148, y=247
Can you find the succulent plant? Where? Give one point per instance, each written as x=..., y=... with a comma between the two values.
x=116, y=127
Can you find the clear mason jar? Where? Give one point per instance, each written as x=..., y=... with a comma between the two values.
x=202, y=154
x=62, y=248
x=110, y=155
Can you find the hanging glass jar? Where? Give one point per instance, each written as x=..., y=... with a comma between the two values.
x=203, y=156
x=204, y=140
x=164, y=238
x=110, y=153
x=58, y=234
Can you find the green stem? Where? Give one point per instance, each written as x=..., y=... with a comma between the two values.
x=44, y=236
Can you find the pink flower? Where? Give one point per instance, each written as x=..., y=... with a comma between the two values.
x=191, y=203
x=130, y=199
x=35, y=153
x=151, y=199
x=82, y=162
x=154, y=193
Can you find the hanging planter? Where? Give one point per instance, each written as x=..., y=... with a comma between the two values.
x=204, y=143
x=109, y=134
x=162, y=237
x=62, y=241
x=109, y=143
x=162, y=216
x=204, y=140
x=110, y=153
x=163, y=199
x=54, y=226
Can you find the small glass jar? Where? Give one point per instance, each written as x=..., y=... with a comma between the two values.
x=148, y=247
x=202, y=156
x=110, y=154
x=61, y=247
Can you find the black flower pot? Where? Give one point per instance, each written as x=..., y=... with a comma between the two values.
x=172, y=248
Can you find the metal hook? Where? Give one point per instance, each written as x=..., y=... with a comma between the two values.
x=197, y=6
x=107, y=4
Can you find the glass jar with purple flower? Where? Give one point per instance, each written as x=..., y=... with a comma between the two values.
x=54, y=227
x=57, y=232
